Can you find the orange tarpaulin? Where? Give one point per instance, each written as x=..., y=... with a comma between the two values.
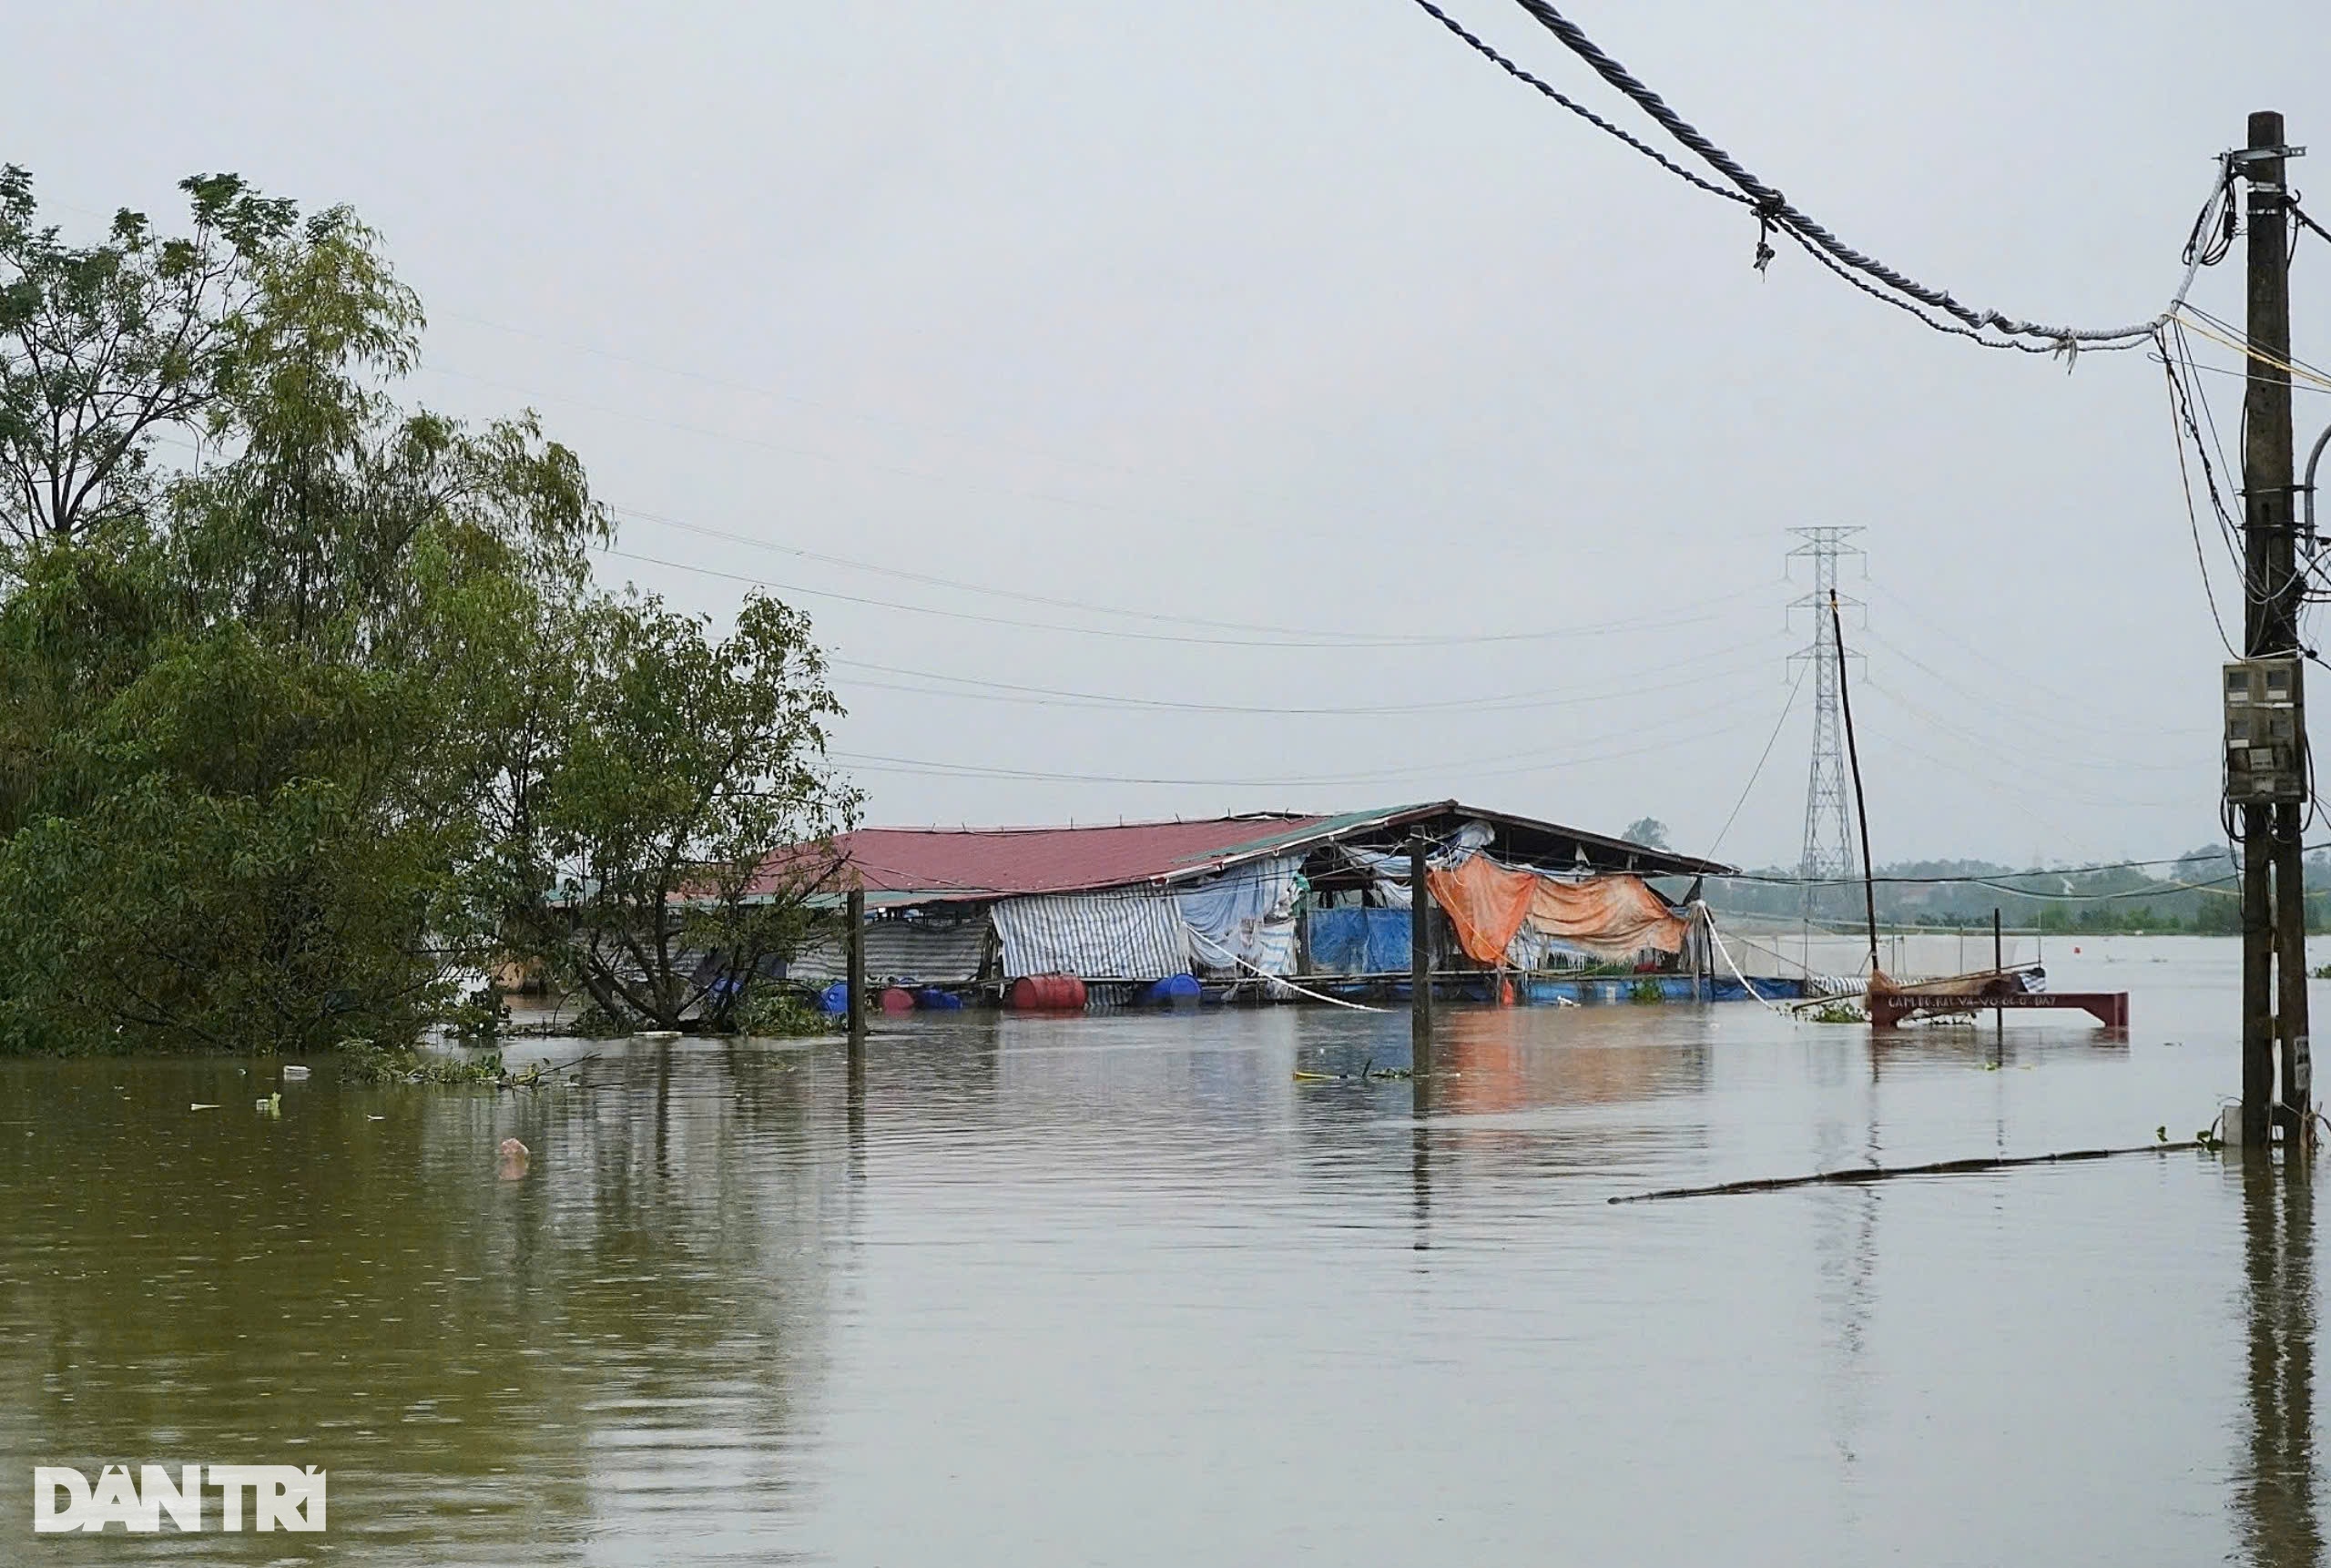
x=1612, y=915
x=1486, y=903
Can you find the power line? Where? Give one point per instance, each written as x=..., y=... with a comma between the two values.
x=1775, y=211
x=1473, y=767
x=1775, y=879
x=927, y=579
x=1762, y=757
x=1559, y=697
x=1482, y=47
x=2228, y=335
x=1298, y=641
x=2193, y=519
x=1993, y=699
x=2150, y=890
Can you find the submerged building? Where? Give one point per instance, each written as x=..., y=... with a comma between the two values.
x=1268, y=904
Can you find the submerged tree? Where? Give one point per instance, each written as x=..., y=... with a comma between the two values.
x=283, y=738
x=683, y=761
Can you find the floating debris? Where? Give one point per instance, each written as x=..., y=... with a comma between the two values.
x=1368, y=1074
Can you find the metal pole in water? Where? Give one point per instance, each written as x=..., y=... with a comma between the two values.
x=1419, y=958
x=1998, y=965
x=857, y=958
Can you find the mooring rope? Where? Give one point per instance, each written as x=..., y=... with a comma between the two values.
x=1198, y=935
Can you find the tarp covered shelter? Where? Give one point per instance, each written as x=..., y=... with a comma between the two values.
x=1235, y=896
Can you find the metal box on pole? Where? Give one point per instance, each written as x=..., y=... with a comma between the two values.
x=2265, y=754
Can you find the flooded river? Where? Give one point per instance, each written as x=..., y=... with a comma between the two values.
x=1120, y=1289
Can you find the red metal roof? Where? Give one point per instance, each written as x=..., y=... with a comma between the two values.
x=938, y=863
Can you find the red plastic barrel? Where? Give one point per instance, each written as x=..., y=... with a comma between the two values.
x=1047, y=994
x=896, y=999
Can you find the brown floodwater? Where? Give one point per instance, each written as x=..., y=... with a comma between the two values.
x=1120, y=1289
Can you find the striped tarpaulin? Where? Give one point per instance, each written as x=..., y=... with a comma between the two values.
x=1094, y=936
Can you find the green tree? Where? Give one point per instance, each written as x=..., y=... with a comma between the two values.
x=683, y=760
x=103, y=347
x=1648, y=831
x=292, y=742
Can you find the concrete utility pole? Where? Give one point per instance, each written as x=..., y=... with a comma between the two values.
x=2274, y=891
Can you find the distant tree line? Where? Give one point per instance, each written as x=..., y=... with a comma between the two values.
x=310, y=710
x=2197, y=893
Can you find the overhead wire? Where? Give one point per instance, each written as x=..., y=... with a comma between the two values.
x=980, y=688
x=1941, y=727
x=2230, y=336
x=2193, y=519
x=1332, y=637
x=1775, y=211
x=1993, y=699
x=1482, y=47
x=2291, y=206
x=1593, y=628
x=1474, y=767
x=1940, y=879
x=1762, y=757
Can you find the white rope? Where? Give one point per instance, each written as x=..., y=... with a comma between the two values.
x=1717, y=937
x=1198, y=935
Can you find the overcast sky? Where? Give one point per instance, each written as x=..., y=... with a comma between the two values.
x=1296, y=322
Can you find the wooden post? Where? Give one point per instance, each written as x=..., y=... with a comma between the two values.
x=1853, y=755
x=857, y=950
x=1998, y=965
x=2272, y=917
x=1420, y=957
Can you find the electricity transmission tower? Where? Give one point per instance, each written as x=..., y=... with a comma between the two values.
x=1829, y=854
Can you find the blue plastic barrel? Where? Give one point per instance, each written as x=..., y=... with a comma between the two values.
x=835, y=998
x=1174, y=988
x=930, y=996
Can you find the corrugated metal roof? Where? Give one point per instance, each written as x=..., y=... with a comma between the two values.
x=988, y=862
x=923, y=865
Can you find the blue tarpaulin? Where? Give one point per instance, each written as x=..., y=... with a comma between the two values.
x=1359, y=941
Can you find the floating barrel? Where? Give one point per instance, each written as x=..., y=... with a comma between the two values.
x=896, y=999
x=1174, y=988
x=938, y=1001
x=835, y=998
x=1048, y=993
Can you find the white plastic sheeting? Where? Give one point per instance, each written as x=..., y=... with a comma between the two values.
x=1243, y=922
x=1391, y=870
x=1117, y=936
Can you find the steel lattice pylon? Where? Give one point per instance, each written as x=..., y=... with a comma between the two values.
x=1828, y=852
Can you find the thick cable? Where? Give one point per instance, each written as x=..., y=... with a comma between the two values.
x=1775, y=211
x=1771, y=204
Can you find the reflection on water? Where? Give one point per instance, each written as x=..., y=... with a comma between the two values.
x=2281, y=1522
x=1120, y=1288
